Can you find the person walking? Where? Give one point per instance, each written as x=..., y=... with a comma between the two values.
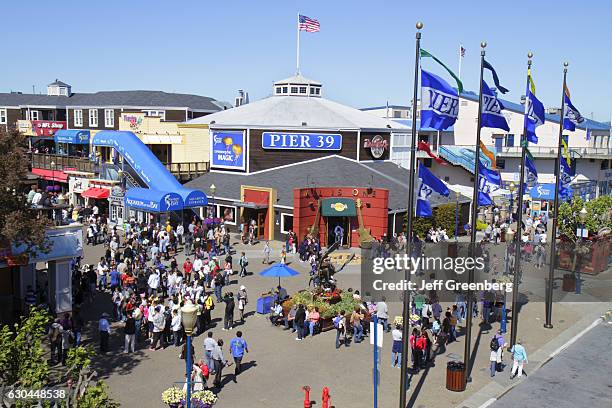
x=159, y=323
x=55, y=340
x=242, y=301
x=176, y=327
x=519, y=355
x=243, y=262
x=238, y=346
x=219, y=362
x=356, y=318
x=340, y=325
x=209, y=346
x=129, y=330
x=266, y=253
x=396, y=348
x=228, y=321
x=104, y=330
x=382, y=312
x=300, y=318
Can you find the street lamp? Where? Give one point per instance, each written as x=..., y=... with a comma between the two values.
x=457, y=195
x=582, y=216
x=509, y=240
x=512, y=187
x=189, y=316
x=53, y=172
x=213, y=189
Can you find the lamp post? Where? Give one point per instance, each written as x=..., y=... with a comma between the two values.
x=511, y=187
x=188, y=315
x=582, y=216
x=509, y=240
x=213, y=190
x=457, y=194
x=53, y=172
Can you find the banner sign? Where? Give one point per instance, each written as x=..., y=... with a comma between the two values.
x=228, y=150
x=47, y=127
x=301, y=141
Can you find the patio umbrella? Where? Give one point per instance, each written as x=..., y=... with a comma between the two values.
x=279, y=271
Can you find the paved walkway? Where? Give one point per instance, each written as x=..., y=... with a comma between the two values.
x=278, y=366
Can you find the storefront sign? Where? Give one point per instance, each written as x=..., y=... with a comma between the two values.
x=72, y=136
x=377, y=146
x=117, y=191
x=46, y=127
x=228, y=150
x=301, y=141
x=142, y=204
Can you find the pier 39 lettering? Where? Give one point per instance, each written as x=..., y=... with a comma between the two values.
x=440, y=102
x=301, y=141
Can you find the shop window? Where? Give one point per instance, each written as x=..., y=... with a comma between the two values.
x=286, y=223
x=78, y=117
x=109, y=118
x=3, y=116
x=227, y=213
x=93, y=118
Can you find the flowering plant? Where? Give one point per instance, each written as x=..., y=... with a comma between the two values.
x=205, y=396
x=172, y=395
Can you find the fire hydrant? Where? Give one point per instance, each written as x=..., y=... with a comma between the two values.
x=325, y=397
x=306, y=390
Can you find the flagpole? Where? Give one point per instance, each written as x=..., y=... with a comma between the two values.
x=460, y=60
x=555, y=220
x=519, y=229
x=470, y=301
x=297, y=72
x=411, y=181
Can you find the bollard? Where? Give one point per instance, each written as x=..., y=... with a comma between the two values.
x=325, y=397
x=306, y=390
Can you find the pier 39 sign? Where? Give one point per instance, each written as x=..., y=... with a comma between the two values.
x=301, y=141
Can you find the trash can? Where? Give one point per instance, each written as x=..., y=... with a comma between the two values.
x=569, y=282
x=455, y=376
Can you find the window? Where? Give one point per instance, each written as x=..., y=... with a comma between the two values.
x=285, y=89
x=78, y=117
x=312, y=91
x=3, y=116
x=294, y=89
x=317, y=91
x=278, y=89
x=286, y=223
x=34, y=115
x=109, y=118
x=500, y=163
x=93, y=118
x=227, y=213
x=158, y=113
x=302, y=89
x=464, y=103
x=427, y=162
x=510, y=140
x=397, y=114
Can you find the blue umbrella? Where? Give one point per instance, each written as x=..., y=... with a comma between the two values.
x=279, y=271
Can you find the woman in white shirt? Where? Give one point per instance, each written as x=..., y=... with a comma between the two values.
x=396, y=349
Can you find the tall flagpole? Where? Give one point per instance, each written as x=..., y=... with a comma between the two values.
x=470, y=301
x=411, y=181
x=297, y=72
x=555, y=220
x=519, y=223
x=460, y=60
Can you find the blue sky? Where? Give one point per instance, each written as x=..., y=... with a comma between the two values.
x=364, y=54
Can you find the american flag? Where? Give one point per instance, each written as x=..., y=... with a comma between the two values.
x=308, y=24
x=462, y=51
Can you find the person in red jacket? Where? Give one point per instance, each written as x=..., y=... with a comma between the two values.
x=421, y=345
x=187, y=268
x=413, y=346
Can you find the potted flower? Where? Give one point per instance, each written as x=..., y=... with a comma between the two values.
x=173, y=396
x=203, y=399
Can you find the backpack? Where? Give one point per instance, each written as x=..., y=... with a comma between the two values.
x=494, y=344
x=337, y=322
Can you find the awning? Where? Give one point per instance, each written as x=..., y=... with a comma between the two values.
x=95, y=192
x=153, y=200
x=193, y=198
x=338, y=207
x=72, y=136
x=248, y=204
x=52, y=175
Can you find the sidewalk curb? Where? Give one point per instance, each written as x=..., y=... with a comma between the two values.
x=493, y=391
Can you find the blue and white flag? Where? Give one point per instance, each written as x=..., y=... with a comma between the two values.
x=534, y=111
x=488, y=181
x=567, y=174
x=429, y=184
x=492, y=116
x=532, y=172
x=571, y=116
x=439, y=102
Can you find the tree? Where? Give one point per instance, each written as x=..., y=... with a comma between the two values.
x=599, y=215
x=18, y=223
x=443, y=217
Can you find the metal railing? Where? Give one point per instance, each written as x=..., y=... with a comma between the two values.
x=61, y=163
x=544, y=150
x=187, y=170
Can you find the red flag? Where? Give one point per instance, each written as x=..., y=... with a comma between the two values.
x=424, y=146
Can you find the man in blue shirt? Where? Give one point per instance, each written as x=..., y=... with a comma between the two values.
x=114, y=278
x=238, y=347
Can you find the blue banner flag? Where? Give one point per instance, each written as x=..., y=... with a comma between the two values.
x=439, y=102
x=566, y=175
x=492, y=116
x=429, y=184
x=488, y=181
x=488, y=66
x=571, y=116
x=534, y=111
x=532, y=172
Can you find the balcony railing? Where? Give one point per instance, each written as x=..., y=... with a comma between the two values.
x=188, y=170
x=550, y=151
x=62, y=163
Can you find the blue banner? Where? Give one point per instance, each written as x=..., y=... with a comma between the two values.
x=543, y=192
x=153, y=200
x=488, y=181
x=228, y=150
x=532, y=172
x=571, y=115
x=534, y=115
x=439, y=102
x=72, y=136
x=301, y=141
x=429, y=184
x=492, y=116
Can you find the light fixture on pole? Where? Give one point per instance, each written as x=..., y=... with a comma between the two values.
x=512, y=188
x=188, y=316
x=213, y=190
x=53, y=172
x=457, y=195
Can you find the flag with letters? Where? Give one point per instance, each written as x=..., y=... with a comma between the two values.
x=534, y=111
x=439, y=102
x=571, y=116
x=310, y=25
x=532, y=172
x=488, y=181
x=567, y=174
x=429, y=185
x=492, y=116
